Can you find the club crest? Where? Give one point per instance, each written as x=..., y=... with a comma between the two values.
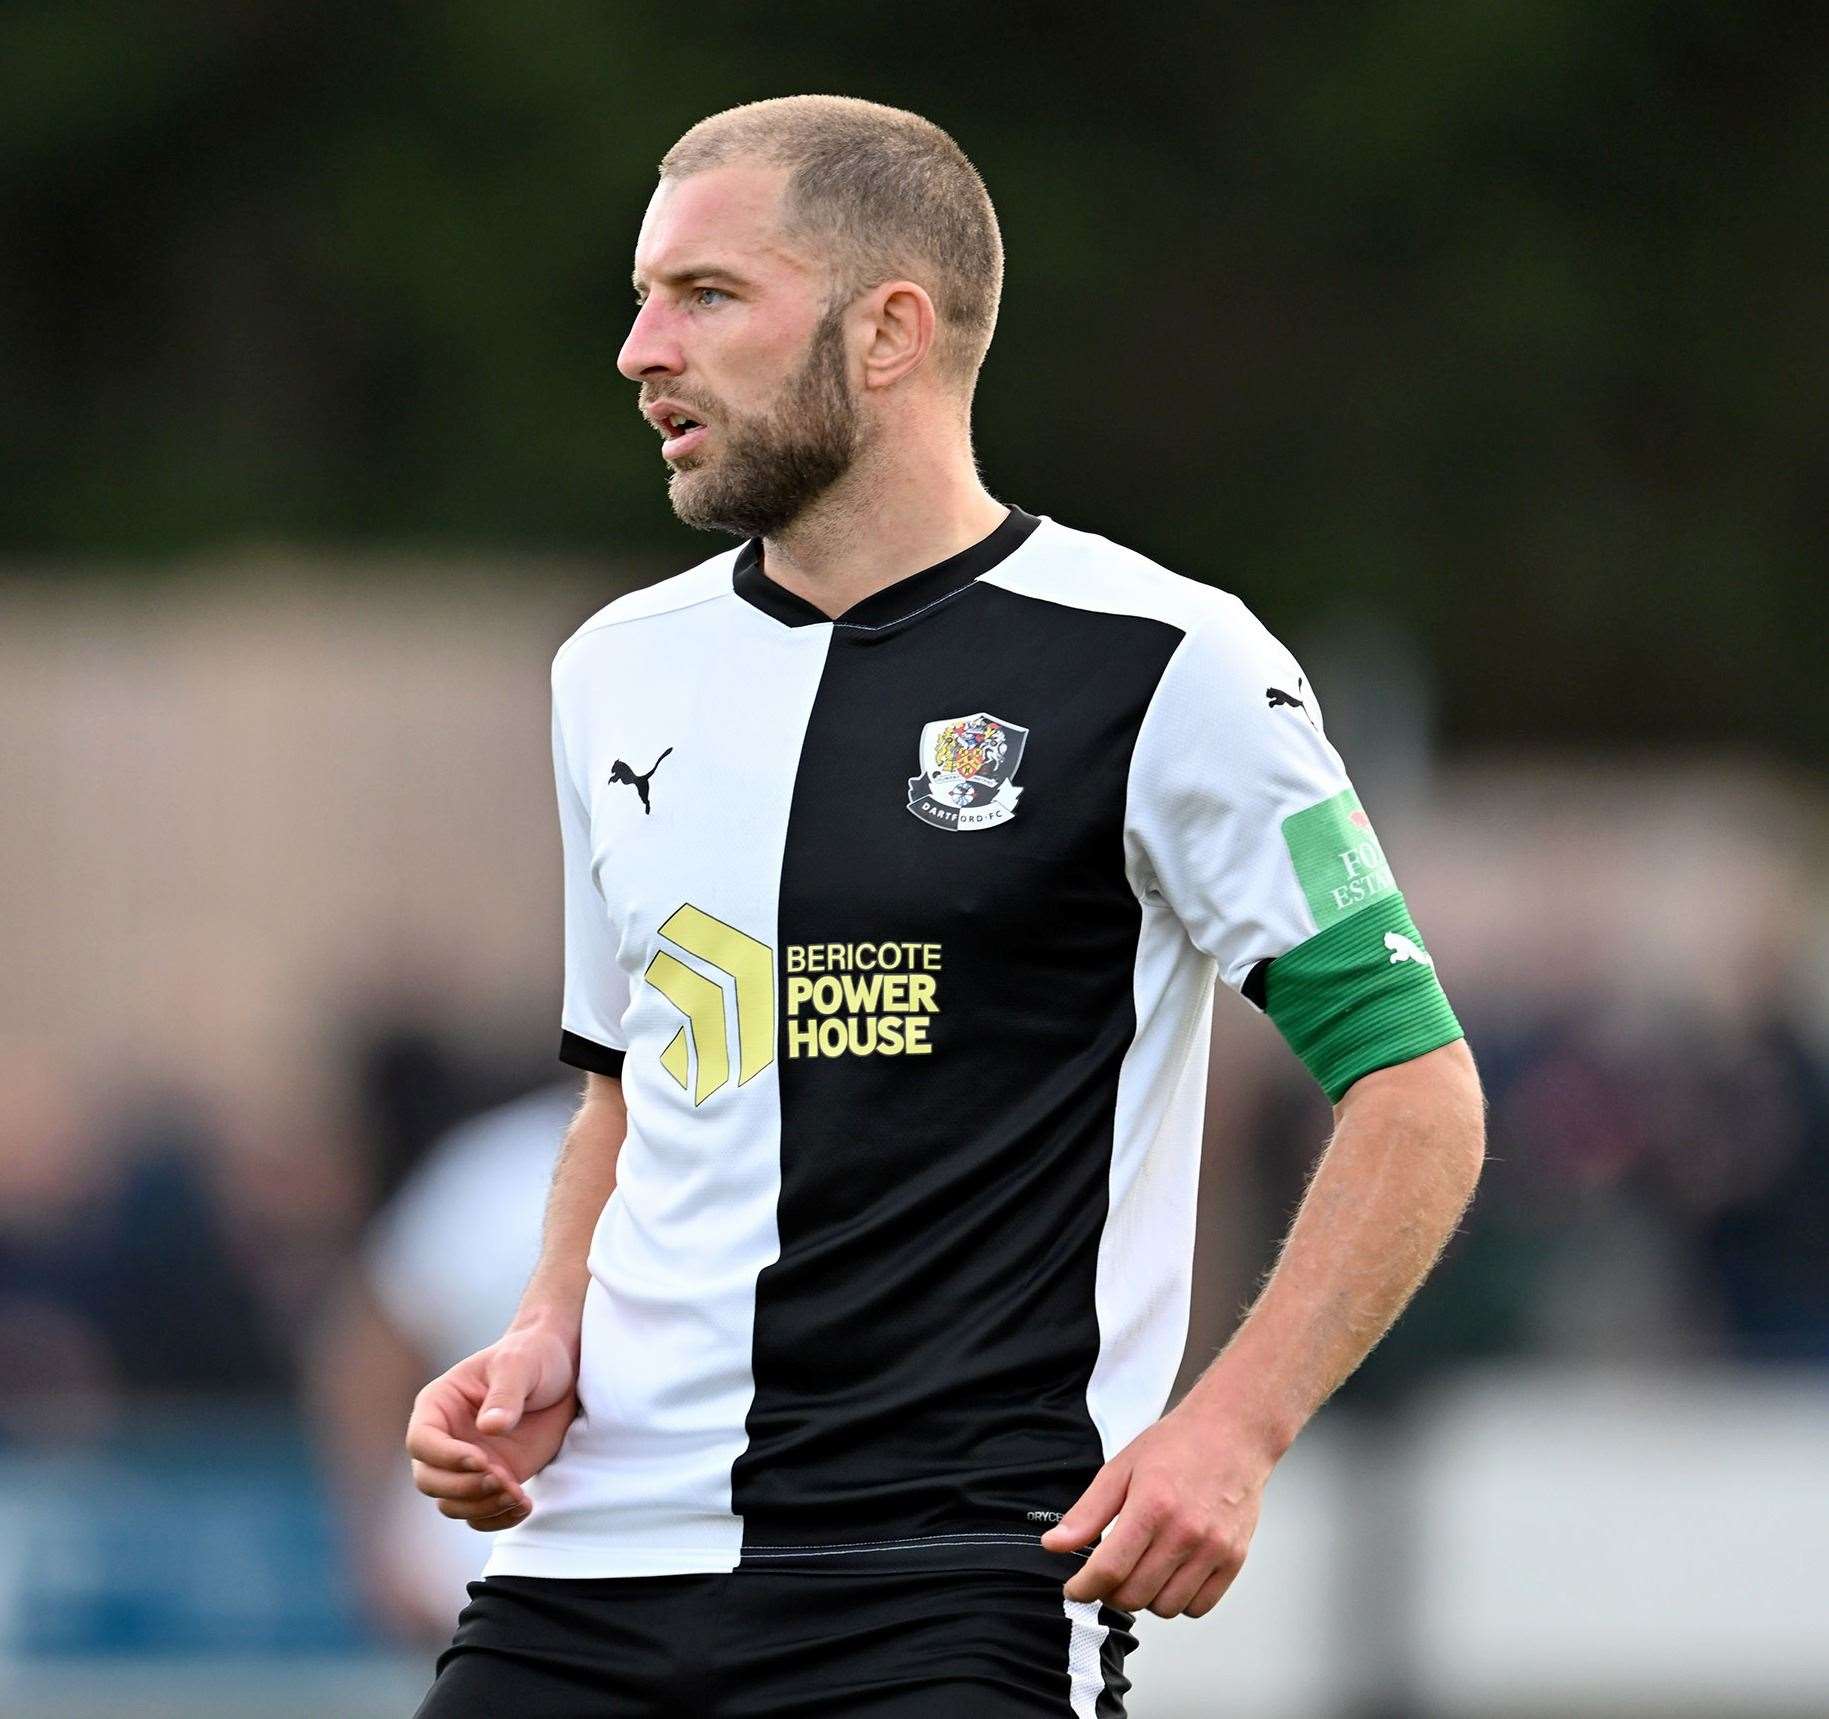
x=967, y=763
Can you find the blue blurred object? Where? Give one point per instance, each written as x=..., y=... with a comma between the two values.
x=204, y=1532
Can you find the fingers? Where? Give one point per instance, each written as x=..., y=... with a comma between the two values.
x=467, y=1497
x=436, y=1448
x=1161, y=1558
x=510, y=1379
x=1096, y=1506
x=468, y=1483
x=438, y=1408
x=454, y=1472
x=1172, y=1598
x=1197, y=1571
x=442, y=1483
x=473, y=1498
x=495, y=1509
x=1212, y=1590
x=1117, y=1555
x=495, y=1524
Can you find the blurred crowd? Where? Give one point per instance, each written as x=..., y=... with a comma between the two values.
x=143, y=1255
x=1655, y=1190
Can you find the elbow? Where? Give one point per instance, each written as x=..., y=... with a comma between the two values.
x=1463, y=1107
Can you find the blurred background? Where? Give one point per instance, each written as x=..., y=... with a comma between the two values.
x=1478, y=348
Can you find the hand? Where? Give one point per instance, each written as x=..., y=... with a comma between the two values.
x=1185, y=1493
x=495, y=1419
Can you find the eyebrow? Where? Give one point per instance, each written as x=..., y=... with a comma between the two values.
x=679, y=277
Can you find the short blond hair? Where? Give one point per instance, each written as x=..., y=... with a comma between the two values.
x=884, y=192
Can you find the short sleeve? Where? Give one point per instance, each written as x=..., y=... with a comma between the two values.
x=596, y=988
x=1242, y=820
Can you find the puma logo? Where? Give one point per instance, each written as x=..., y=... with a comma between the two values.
x=1402, y=949
x=620, y=772
x=1275, y=695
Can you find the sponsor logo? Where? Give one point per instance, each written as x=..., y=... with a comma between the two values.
x=1044, y=1515
x=967, y=766
x=724, y=961
x=1275, y=696
x=861, y=999
x=1337, y=858
x=620, y=772
x=1402, y=949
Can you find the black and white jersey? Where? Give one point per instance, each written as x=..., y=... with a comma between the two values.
x=901, y=932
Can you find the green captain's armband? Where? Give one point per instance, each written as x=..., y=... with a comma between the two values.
x=1361, y=993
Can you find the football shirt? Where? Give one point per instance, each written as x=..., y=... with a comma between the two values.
x=901, y=931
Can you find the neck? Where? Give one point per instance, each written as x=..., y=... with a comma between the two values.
x=897, y=511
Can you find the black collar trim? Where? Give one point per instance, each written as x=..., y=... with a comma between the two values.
x=898, y=602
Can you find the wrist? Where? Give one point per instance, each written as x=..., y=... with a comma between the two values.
x=1240, y=1414
x=550, y=1311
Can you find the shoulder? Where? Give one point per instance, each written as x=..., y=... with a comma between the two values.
x=705, y=583
x=1082, y=570
x=1220, y=640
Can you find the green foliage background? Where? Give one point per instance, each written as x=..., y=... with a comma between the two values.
x=1503, y=320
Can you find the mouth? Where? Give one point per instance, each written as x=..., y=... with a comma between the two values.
x=681, y=432
x=684, y=439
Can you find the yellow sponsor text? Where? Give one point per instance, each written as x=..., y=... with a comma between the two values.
x=861, y=999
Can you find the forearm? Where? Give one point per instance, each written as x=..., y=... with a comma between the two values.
x=1384, y=1200
x=583, y=1180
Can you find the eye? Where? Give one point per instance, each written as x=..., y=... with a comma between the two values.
x=698, y=293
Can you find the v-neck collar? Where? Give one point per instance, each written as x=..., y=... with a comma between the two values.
x=899, y=601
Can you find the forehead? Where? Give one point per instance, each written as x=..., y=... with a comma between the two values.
x=724, y=218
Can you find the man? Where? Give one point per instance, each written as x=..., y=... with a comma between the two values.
x=839, y=1386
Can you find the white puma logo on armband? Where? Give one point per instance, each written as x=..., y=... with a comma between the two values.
x=1402, y=949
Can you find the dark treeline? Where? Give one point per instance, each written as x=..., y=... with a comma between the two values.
x=1501, y=322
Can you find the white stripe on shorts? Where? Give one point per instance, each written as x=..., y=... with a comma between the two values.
x=1083, y=1645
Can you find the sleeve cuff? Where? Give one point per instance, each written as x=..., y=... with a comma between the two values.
x=590, y=1056
x=1358, y=996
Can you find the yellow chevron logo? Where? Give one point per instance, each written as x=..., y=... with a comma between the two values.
x=698, y=1055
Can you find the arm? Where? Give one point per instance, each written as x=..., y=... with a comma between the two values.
x=1242, y=821
x=583, y=1180
x=499, y=1416
x=1408, y=1145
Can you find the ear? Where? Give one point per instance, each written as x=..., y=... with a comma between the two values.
x=899, y=332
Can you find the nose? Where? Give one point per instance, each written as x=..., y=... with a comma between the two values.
x=650, y=350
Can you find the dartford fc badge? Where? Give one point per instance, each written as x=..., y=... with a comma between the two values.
x=967, y=763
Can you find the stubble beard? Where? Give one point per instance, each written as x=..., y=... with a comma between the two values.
x=769, y=469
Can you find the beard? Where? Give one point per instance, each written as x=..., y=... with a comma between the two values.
x=770, y=468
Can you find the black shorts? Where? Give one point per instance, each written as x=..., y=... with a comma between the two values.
x=783, y=1644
